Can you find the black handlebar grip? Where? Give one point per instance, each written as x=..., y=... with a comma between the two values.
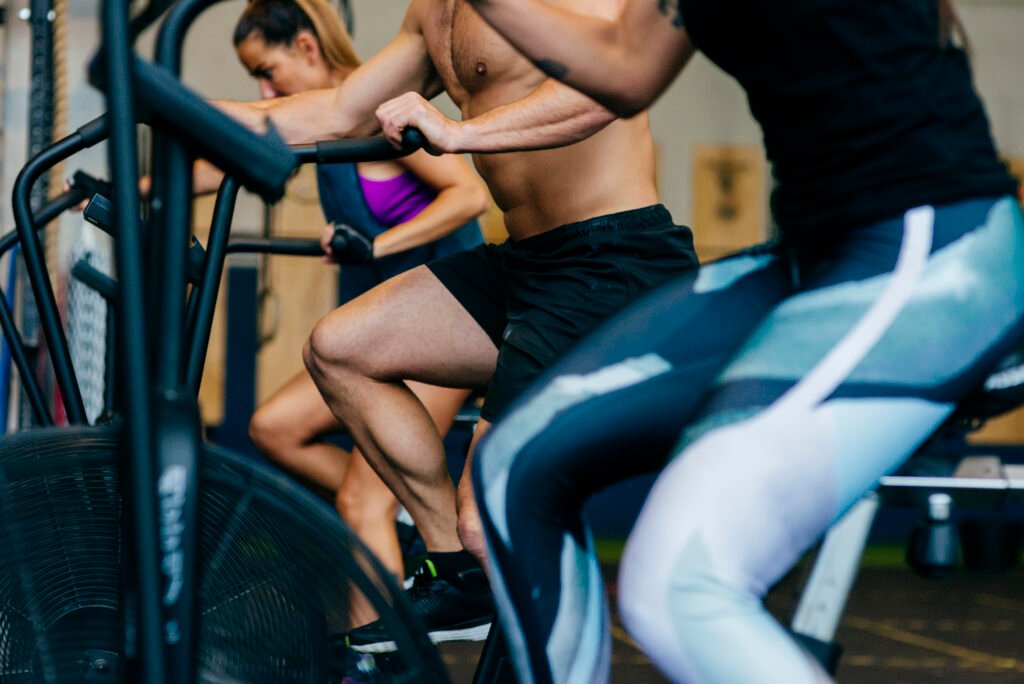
x=350, y=150
x=413, y=139
x=94, y=131
x=339, y=241
x=282, y=246
x=92, y=185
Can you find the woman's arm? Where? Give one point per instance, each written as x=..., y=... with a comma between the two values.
x=624, y=64
x=461, y=197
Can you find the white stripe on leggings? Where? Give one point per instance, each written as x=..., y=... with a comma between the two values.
x=839, y=362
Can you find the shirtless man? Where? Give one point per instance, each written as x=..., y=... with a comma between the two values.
x=587, y=236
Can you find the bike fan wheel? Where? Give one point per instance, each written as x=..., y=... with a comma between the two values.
x=277, y=569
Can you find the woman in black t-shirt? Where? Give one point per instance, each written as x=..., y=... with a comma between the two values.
x=775, y=387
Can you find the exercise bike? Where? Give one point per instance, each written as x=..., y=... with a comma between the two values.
x=135, y=552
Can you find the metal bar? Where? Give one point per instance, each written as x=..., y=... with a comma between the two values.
x=261, y=163
x=45, y=215
x=297, y=247
x=35, y=264
x=172, y=220
x=29, y=384
x=19, y=354
x=206, y=298
x=95, y=279
x=376, y=148
x=914, y=482
x=177, y=437
x=143, y=606
x=835, y=569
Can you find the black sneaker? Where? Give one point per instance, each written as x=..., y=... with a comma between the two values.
x=453, y=607
x=347, y=667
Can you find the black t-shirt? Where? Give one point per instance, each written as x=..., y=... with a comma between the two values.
x=864, y=114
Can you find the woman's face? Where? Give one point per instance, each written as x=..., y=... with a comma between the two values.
x=284, y=69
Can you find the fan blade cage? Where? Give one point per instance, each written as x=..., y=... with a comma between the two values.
x=280, y=572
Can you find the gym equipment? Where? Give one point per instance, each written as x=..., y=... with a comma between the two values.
x=944, y=475
x=33, y=391
x=123, y=535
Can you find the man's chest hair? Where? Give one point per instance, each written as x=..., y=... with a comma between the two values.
x=467, y=53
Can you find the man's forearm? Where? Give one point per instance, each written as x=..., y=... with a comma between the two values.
x=552, y=116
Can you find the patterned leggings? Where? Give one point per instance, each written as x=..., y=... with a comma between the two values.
x=771, y=403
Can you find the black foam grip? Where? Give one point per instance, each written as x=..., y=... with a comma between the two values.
x=339, y=242
x=413, y=139
x=260, y=163
x=377, y=148
x=95, y=131
x=91, y=185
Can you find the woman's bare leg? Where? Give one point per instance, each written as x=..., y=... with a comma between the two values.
x=288, y=429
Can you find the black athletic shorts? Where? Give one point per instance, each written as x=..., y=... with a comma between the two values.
x=535, y=297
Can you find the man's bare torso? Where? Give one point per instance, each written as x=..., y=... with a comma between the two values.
x=611, y=171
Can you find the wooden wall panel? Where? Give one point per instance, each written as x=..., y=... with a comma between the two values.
x=211, y=392
x=302, y=290
x=729, y=198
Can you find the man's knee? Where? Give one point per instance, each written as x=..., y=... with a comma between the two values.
x=321, y=351
x=342, y=343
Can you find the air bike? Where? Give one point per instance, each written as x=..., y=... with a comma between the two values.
x=134, y=552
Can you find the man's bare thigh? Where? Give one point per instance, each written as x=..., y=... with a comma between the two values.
x=408, y=328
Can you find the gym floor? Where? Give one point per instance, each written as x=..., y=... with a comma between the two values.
x=898, y=628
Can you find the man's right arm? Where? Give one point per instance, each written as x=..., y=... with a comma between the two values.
x=624, y=64
x=349, y=109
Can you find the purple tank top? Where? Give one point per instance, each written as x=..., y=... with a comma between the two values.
x=396, y=200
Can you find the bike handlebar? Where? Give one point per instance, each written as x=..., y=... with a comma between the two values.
x=376, y=148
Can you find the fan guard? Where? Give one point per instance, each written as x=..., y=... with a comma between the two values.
x=277, y=568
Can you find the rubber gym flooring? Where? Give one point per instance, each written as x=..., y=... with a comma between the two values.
x=898, y=628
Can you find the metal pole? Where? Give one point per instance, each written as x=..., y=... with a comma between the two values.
x=143, y=609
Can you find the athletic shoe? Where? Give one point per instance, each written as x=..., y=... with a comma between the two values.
x=454, y=606
x=348, y=667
